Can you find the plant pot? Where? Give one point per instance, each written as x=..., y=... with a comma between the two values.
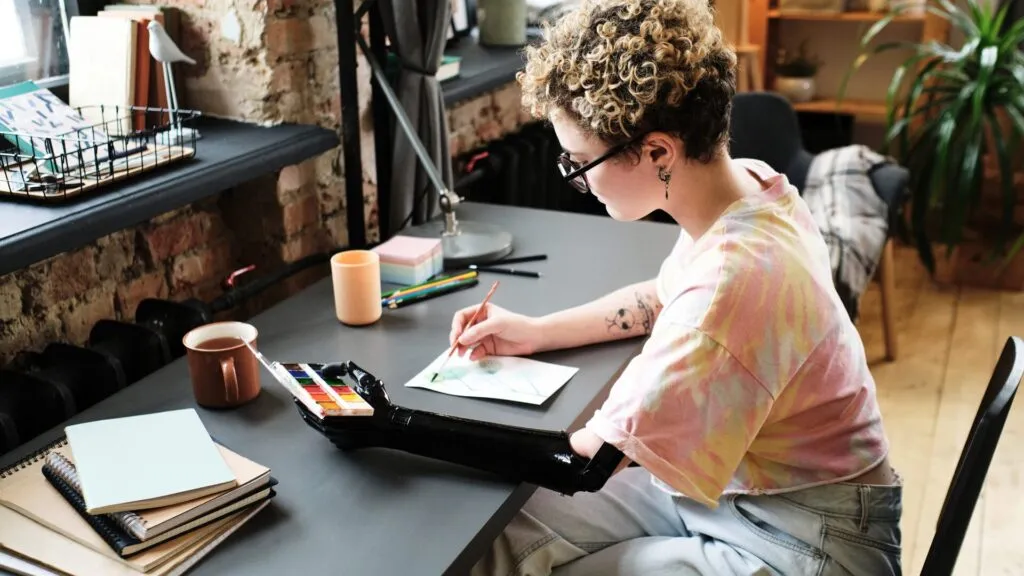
x=502, y=22
x=795, y=89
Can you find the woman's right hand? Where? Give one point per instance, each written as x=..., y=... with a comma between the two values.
x=497, y=332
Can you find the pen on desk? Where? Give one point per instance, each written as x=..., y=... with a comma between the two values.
x=521, y=259
x=469, y=324
x=508, y=271
x=420, y=296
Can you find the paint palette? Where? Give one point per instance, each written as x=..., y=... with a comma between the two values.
x=322, y=395
x=311, y=379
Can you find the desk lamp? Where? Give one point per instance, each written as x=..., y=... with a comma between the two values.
x=463, y=242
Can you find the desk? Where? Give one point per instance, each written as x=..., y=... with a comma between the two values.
x=378, y=512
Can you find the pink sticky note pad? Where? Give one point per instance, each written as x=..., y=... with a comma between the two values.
x=408, y=250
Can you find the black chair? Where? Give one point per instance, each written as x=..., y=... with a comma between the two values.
x=974, y=460
x=764, y=127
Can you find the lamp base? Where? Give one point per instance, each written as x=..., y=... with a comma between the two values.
x=476, y=242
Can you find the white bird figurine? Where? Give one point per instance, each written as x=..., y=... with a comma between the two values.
x=165, y=51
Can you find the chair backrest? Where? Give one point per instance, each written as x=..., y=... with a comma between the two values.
x=974, y=460
x=764, y=126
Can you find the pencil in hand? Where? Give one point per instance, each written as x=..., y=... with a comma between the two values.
x=472, y=321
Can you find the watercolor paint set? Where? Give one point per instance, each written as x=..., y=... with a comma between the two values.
x=321, y=394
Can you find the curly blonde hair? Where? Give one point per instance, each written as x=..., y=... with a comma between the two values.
x=621, y=68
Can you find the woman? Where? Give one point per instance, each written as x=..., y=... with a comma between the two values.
x=750, y=413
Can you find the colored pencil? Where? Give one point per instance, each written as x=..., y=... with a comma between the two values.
x=428, y=284
x=405, y=300
x=425, y=290
x=466, y=327
x=508, y=271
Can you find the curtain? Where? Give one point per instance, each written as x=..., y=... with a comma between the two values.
x=418, y=31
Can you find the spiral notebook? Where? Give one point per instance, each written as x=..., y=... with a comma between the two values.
x=32, y=542
x=25, y=490
x=117, y=529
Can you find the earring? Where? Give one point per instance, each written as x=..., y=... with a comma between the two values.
x=664, y=177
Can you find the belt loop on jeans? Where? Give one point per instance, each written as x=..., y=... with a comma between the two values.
x=864, y=494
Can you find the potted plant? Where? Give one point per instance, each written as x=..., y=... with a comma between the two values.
x=958, y=105
x=794, y=75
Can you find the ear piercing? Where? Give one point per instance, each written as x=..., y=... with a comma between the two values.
x=664, y=177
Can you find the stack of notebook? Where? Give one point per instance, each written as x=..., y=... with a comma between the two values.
x=147, y=494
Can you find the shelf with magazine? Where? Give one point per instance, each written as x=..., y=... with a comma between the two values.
x=52, y=152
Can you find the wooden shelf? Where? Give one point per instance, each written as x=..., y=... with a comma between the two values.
x=860, y=16
x=854, y=107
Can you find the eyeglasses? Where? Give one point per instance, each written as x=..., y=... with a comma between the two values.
x=575, y=174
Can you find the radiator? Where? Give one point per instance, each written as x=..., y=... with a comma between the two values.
x=521, y=170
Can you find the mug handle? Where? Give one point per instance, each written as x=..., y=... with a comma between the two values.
x=227, y=368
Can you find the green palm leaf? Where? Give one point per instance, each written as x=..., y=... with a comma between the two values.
x=948, y=119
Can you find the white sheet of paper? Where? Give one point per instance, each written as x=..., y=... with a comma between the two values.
x=499, y=377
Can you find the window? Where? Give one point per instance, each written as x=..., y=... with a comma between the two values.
x=33, y=42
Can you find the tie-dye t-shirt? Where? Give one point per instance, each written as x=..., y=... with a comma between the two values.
x=753, y=379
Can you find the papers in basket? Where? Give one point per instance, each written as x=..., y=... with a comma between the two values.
x=498, y=377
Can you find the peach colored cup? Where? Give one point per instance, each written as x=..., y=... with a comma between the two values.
x=356, y=277
x=224, y=371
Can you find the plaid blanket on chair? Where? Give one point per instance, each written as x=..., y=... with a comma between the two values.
x=852, y=218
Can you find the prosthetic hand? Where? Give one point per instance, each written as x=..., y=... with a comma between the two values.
x=521, y=454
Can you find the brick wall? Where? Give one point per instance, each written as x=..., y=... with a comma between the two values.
x=276, y=62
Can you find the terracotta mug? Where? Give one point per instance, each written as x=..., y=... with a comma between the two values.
x=356, y=277
x=225, y=373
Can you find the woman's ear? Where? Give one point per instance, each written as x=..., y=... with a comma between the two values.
x=662, y=149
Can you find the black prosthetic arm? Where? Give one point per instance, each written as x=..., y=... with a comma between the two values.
x=539, y=457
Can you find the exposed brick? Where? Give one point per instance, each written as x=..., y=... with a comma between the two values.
x=10, y=298
x=218, y=261
x=116, y=253
x=336, y=226
x=322, y=30
x=302, y=245
x=288, y=76
x=299, y=214
x=150, y=285
x=175, y=237
x=79, y=320
x=292, y=179
x=68, y=275
x=287, y=37
x=507, y=105
x=279, y=6
x=187, y=271
x=171, y=215
x=489, y=130
x=28, y=333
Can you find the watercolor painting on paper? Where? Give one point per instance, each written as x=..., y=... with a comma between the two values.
x=499, y=377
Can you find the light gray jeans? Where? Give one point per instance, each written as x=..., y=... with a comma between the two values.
x=632, y=527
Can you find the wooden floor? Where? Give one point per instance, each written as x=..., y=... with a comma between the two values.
x=949, y=341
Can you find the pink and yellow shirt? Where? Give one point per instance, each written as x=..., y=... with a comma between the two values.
x=753, y=379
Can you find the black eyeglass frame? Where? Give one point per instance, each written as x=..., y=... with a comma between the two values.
x=571, y=176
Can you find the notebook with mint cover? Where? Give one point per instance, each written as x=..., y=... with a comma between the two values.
x=146, y=461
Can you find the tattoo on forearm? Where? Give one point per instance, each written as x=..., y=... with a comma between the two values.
x=629, y=318
x=647, y=313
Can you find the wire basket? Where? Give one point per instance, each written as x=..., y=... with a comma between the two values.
x=111, y=143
